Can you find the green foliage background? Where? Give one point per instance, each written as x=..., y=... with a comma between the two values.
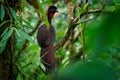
x=101, y=56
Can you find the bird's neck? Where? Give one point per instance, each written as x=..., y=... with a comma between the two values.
x=49, y=20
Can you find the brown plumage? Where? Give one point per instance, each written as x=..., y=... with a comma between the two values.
x=46, y=38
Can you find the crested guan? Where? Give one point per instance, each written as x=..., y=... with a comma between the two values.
x=46, y=38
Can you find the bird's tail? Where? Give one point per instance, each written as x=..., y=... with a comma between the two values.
x=48, y=58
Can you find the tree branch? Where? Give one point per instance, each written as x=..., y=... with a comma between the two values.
x=90, y=12
x=68, y=34
x=65, y=38
x=68, y=42
x=70, y=11
x=72, y=27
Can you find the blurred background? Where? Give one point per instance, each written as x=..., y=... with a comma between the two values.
x=87, y=39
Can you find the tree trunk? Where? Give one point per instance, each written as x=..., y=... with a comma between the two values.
x=7, y=70
x=6, y=62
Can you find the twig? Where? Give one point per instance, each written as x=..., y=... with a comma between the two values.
x=88, y=12
x=26, y=65
x=86, y=20
x=76, y=6
x=82, y=34
x=19, y=71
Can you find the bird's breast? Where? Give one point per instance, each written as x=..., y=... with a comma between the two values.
x=46, y=36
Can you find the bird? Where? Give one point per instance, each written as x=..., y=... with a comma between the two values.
x=46, y=38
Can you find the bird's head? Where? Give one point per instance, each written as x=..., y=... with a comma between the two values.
x=51, y=11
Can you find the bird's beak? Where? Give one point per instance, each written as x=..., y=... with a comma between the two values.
x=56, y=11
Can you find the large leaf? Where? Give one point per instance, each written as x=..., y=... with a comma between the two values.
x=4, y=40
x=92, y=70
x=102, y=33
x=43, y=14
x=24, y=35
x=13, y=13
x=2, y=12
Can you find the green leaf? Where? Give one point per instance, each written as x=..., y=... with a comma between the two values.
x=43, y=14
x=13, y=14
x=33, y=47
x=2, y=12
x=28, y=24
x=6, y=36
x=85, y=6
x=95, y=1
x=2, y=48
x=91, y=70
x=81, y=10
x=24, y=35
x=4, y=40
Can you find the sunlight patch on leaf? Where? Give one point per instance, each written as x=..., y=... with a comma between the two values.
x=43, y=67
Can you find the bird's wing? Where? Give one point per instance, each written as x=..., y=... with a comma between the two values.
x=42, y=36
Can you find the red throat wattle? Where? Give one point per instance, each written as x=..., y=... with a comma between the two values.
x=51, y=15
